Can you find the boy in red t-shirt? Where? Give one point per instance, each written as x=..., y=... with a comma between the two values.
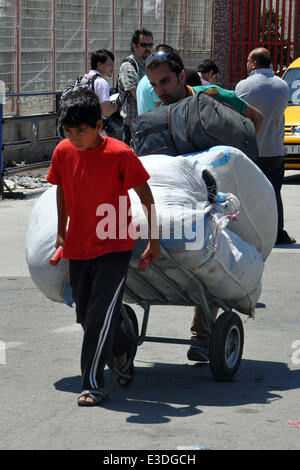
x=93, y=173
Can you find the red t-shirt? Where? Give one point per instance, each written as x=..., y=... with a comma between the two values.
x=92, y=181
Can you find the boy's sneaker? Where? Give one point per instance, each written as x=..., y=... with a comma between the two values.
x=199, y=350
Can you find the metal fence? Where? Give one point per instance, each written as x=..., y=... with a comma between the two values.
x=273, y=24
x=45, y=44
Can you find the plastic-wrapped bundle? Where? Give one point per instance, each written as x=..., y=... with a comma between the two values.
x=192, y=229
x=53, y=281
x=236, y=173
x=230, y=268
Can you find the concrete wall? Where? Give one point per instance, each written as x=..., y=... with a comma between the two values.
x=221, y=37
x=30, y=130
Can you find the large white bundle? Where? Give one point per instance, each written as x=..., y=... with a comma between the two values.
x=235, y=173
x=230, y=268
x=231, y=273
x=41, y=235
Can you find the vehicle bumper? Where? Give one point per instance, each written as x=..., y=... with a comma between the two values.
x=292, y=157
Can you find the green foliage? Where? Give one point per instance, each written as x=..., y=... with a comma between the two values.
x=267, y=34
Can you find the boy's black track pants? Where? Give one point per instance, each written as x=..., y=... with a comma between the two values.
x=97, y=288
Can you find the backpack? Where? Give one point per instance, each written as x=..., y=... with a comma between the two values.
x=83, y=82
x=116, y=116
x=195, y=123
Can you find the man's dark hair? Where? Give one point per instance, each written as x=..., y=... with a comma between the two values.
x=164, y=47
x=136, y=35
x=173, y=60
x=207, y=65
x=192, y=77
x=263, y=59
x=79, y=107
x=100, y=56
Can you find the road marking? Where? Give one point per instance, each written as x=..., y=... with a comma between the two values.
x=12, y=344
x=4, y=346
x=68, y=329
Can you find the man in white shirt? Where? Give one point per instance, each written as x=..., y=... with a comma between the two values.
x=270, y=94
x=102, y=63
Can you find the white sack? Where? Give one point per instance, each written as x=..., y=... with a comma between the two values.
x=237, y=174
x=41, y=236
x=230, y=267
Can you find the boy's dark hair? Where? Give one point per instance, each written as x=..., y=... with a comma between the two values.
x=136, y=35
x=161, y=57
x=79, y=107
x=101, y=56
x=207, y=65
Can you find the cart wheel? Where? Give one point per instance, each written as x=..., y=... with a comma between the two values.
x=132, y=329
x=226, y=346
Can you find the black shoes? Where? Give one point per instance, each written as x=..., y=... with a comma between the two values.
x=284, y=239
x=199, y=350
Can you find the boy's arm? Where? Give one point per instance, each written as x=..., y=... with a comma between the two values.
x=146, y=198
x=62, y=217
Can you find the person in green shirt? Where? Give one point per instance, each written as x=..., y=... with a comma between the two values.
x=167, y=75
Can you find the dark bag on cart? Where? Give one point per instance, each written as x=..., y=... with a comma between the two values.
x=193, y=124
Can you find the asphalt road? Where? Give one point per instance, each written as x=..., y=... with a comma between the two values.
x=172, y=402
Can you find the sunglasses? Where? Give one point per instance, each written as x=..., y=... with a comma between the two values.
x=146, y=44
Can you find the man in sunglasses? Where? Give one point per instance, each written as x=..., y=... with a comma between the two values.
x=146, y=97
x=167, y=75
x=131, y=71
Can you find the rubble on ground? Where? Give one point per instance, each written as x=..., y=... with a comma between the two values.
x=17, y=182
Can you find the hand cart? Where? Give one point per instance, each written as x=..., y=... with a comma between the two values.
x=226, y=343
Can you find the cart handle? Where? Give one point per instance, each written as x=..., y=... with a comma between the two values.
x=143, y=264
x=54, y=260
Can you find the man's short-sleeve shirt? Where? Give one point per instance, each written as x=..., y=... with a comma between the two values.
x=128, y=80
x=270, y=94
x=101, y=86
x=146, y=96
x=224, y=96
x=228, y=97
x=95, y=184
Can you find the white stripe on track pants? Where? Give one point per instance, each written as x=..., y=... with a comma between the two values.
x=97, y=288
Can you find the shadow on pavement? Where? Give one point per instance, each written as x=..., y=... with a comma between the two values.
x=293, y=246
x=291, y=179
x=162, y=390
